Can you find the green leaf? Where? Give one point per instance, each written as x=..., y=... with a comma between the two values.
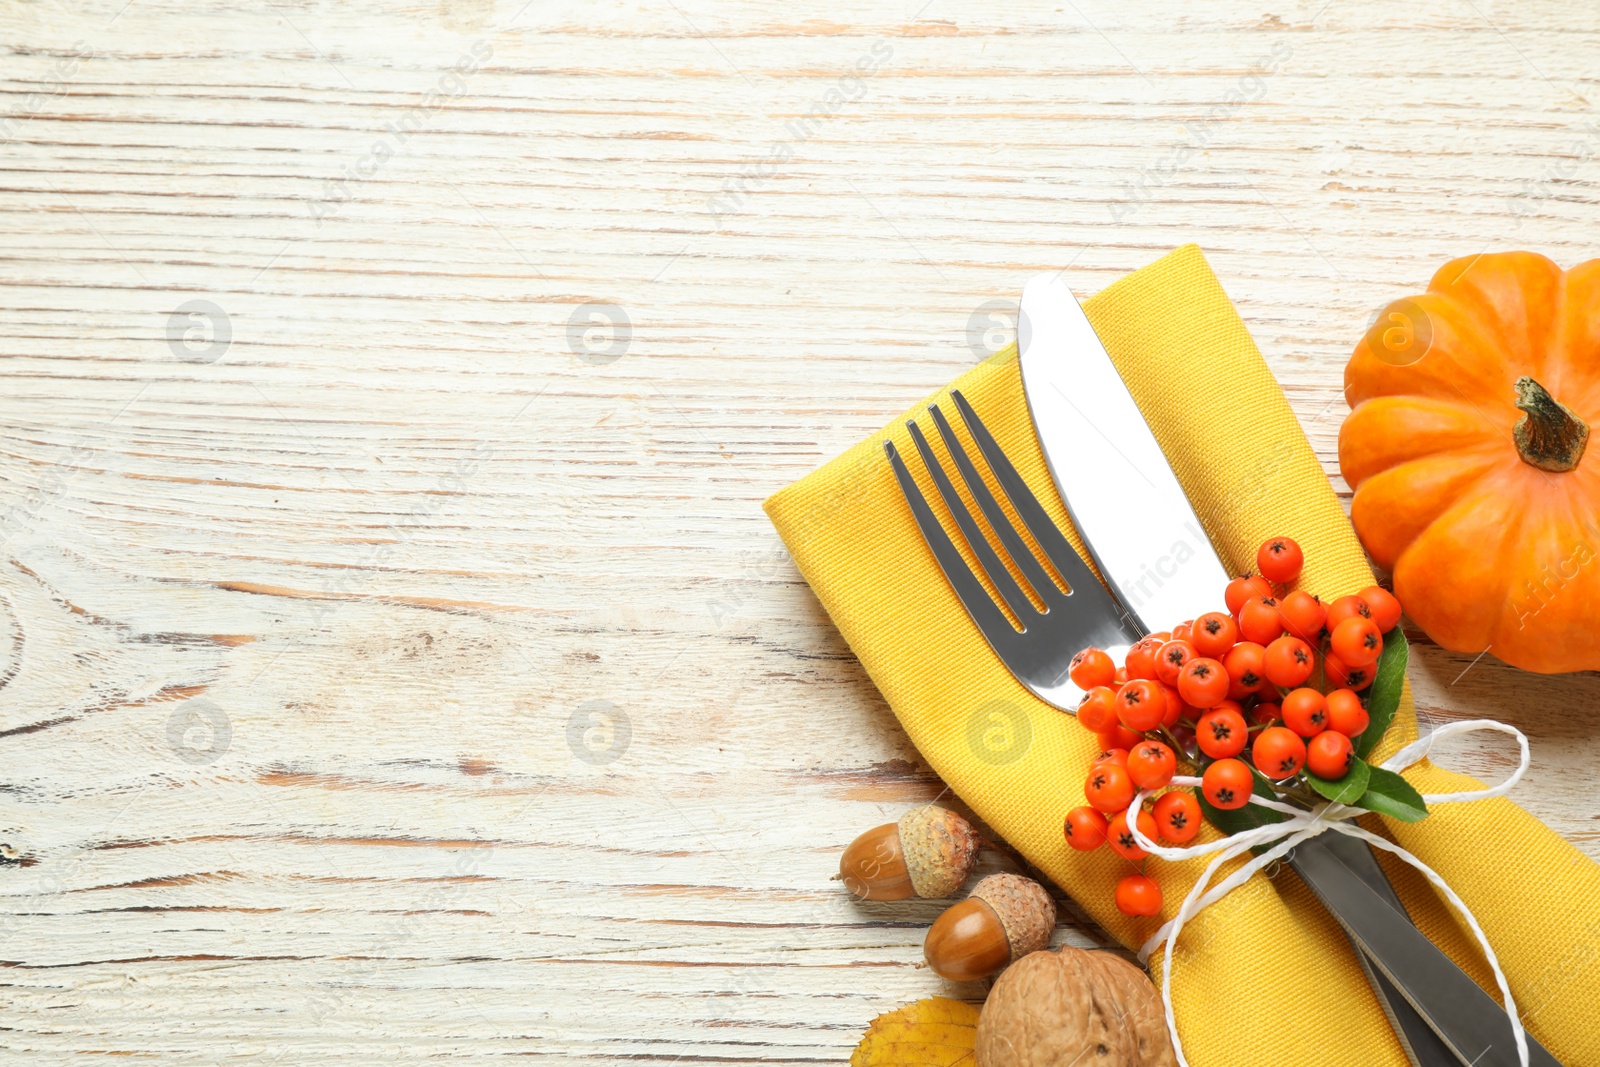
x=1389, y=794
x=1346, y=790
x=1384, y=697
x=1248, y=817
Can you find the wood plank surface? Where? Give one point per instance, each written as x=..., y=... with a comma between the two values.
x=396, y=661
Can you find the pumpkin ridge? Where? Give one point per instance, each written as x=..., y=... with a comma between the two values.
x=1462, y=405
x=1458, y=331
x=1367, y=445
x=1572, y=378
x=1565, y=586
x=1529, y=340
x=1435, y=473
x=1427, y=562
x=1557, y=361
x=1461, y=309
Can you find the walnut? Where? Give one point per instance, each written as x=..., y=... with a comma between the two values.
x=1071, y=1007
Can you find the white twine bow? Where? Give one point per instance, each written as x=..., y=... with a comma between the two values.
x=1301, y=825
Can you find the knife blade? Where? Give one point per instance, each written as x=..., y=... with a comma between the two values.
x=1161, y=571
x=1168, y=570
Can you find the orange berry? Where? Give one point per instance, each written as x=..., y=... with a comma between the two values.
x=1140, y=661
x=1266, y=713
x=1221, y=732
x=1278, y=753
x=1098, y=709
x=1303, y=615
x=1151, y=765
x=1259, y=620
x=1289, y=661
x=1227, y=784
x=1243, y=588
x=1213, y=634
x=1305, y=711
x=1119, y=756
x=1120, y=838
x=1177, y=816
x=1247, y=669
x=1182, y=631
x=1346, y=607
x=1138, y=894
x=1085, y=829
x=1383, y=605
x=1108, y=788
x=1341, y=674
x=1279, y=559
x=1170, y=659
x=1141, y=705
x=1092, y=667
x=1357, y=642
x=1346, y=715
x=1203, y=682
x=1329, y=755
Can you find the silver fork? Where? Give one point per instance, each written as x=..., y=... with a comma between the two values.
x=1086, y=616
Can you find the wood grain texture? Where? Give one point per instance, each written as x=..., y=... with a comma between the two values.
x=411, y=674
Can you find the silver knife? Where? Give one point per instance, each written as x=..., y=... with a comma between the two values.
x=1167, y=571
x=1161, y=571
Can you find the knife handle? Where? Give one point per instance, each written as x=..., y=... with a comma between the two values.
x=1466, y=1018
x=1422, y=1046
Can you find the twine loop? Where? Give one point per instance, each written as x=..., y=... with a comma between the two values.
x=1302, y=825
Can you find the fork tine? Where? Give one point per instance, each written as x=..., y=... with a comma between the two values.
x=988, y=559
x=1057, y=549
x=991, y=621
x=1015, y=546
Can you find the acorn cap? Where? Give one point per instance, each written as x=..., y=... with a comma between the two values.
x=940, y=848
x=1026, y=911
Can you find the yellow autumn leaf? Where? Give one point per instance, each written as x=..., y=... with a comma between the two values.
x=937, y=1032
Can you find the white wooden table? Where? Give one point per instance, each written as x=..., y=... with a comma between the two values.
x=396, y=661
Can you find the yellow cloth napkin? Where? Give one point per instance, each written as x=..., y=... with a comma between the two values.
x=1264, y=975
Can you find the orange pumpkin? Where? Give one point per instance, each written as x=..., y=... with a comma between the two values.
x=1466, y=449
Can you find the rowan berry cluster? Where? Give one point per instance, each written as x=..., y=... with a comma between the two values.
x=1273, y=683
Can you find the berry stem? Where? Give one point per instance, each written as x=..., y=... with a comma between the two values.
x=1191, y=756
x=1295, y=789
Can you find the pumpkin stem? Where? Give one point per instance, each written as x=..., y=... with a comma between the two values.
x=1548, y=436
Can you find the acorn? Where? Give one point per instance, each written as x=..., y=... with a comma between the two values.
x=928, y=853
x=1006, y=917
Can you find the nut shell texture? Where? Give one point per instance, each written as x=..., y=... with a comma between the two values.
x=940, y=848
x=1089, y=1009
x=1025, y=910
